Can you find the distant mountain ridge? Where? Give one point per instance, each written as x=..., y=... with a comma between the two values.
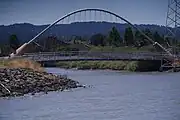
x=26, y=31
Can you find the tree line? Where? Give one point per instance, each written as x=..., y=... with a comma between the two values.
x=130, y=38
x=113, y=38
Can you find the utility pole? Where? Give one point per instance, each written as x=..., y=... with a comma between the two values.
x=172, y=26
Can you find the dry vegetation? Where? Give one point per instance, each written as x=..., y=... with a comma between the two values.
x=21, y=63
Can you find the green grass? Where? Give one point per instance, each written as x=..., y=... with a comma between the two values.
x=113, y=65
x=2, y=63
x=141, y=66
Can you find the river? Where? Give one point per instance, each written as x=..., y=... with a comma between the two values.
x=112, y=96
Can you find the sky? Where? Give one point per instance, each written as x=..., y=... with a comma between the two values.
x=41, y=12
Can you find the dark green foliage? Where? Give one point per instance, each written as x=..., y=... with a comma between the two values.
x=128, y=37
x=139, y=39
x=97, y=39
x=138, y=36
x=114, y=38
x=51, y=43
x=158, y=38
x=5, y=50
x=142, y=66
x=14, y=42
x=149, y=34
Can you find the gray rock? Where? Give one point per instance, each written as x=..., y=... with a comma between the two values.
x=24, y=81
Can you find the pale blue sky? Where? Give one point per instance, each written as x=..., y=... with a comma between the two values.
x=46, y=11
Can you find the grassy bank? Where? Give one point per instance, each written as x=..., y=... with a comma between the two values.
x=21, y=63
x=113, y=65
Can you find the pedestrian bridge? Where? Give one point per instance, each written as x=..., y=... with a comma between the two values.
x=92, y=56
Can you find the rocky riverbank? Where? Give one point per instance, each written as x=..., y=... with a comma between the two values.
x=21, y=81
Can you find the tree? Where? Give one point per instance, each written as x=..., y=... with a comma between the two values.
x=49, y=44
x=5, y=49
x=128, y=36
x=149, y=34
x=138, y=39
x=14, y=42
x=97, y=39
x=142, y=40
x=114, y=38
x=158, y=38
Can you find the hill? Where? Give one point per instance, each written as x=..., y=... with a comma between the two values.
x=26, y=31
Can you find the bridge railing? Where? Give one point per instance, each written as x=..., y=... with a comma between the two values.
x=42, y=56
x=69, y=53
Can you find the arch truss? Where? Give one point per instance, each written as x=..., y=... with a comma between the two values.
x=98, y=13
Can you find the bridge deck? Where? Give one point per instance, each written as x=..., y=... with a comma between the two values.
x=84, y=55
